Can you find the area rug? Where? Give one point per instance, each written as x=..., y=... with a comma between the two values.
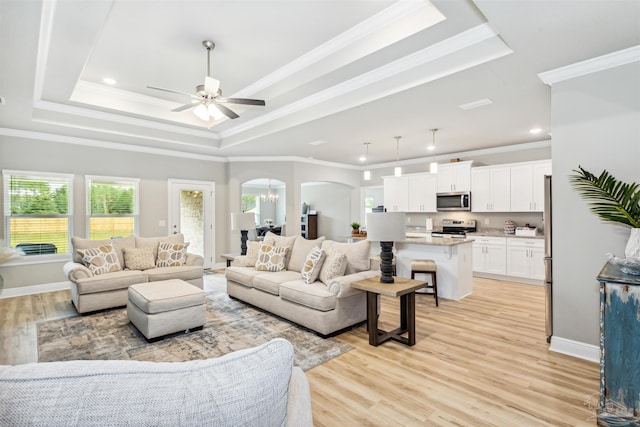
x=231, y=325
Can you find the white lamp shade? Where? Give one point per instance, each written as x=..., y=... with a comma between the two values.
x=397, y=171
x=386, y=226
x=243, y=221
x=433, y=167
x=367, y=175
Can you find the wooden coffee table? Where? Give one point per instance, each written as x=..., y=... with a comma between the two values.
x=403, y=288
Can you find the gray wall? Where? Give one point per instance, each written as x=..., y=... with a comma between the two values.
x=595, y=124
x=332, y=202
x=153, y=171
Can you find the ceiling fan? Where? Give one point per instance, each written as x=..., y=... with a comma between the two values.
x=208, y=101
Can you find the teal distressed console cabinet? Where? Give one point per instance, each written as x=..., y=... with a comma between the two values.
x=619, y=348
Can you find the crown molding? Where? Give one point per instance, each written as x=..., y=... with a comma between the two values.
x=42, y=136
x=593, y=65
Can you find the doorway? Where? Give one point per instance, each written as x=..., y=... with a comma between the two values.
x=191, y=212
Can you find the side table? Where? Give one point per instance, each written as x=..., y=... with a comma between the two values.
x=230, y=258
x=403, y=288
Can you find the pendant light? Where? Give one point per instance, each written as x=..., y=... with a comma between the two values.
x=433, y=166
x=398, y=170
x=367, y=172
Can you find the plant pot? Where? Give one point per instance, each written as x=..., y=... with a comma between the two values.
x=355, y=232
x=632, y=250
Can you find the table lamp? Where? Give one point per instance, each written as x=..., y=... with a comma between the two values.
x=386, y=228
x=244, y=222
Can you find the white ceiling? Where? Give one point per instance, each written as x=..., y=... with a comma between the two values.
x=342, y=72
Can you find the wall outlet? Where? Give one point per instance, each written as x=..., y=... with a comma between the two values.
x=486, y=221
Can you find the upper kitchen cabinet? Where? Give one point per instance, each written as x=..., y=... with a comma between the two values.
x=490, y=189
x=422, y=192
x=454, y=177
x=527, y=186
x=396, y=193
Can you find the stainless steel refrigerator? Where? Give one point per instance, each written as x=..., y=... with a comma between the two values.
x=548, y=259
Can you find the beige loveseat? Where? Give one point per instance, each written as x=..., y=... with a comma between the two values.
x=258, y=386
x=91, y=292
x=326, y=305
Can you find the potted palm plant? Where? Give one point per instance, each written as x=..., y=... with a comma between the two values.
x=612, y=200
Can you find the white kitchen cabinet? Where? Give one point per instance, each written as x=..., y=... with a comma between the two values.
x=454, y=177
x=490, y=189
x=490, y=255
x=422, y=192
x=396, y=193
x=527, y=186
x=525, y=258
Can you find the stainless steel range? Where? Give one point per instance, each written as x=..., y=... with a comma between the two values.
x=456, y=228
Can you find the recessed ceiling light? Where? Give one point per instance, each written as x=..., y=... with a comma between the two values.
x=535, y=130
x=109, y=81
x=319, y=142
x=475, y=104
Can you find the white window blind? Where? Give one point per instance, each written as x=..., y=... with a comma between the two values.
x=112, y=207
x=38, y=211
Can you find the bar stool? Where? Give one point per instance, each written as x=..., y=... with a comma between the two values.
x=426, y=266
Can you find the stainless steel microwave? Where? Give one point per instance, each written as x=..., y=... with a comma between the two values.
x=460, y=201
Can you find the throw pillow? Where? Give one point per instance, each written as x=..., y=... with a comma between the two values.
x=100, y=260
x=357, y=254
x=253, y=250
x=300, y=250
x=271, y=258
x=333, y=266
x=312, y=265
x=171, y=254
x=282, y=241
x=139, y=258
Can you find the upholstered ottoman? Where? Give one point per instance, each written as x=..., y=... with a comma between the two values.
x=160, y=308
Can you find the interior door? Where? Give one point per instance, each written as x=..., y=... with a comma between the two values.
x=191, y=212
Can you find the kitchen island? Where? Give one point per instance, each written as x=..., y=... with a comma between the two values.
x=452, y=256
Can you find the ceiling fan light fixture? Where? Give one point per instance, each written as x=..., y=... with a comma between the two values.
x=214, y=112
x=201, y=112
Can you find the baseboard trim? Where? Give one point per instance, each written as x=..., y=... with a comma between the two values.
x=34, y=289
x=575, y=348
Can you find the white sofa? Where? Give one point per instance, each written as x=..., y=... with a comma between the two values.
x=322, y=307
x=256, y=386
x=91, y=292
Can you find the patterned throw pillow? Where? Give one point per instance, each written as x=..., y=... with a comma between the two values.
x=139, y=258
x=171, y=254
x=100, y=260
x=271, y=258
x=253, y=250
x=312, y=265
x=333, y=266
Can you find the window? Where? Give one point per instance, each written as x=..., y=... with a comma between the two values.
x=112, y=207
x=38, y=211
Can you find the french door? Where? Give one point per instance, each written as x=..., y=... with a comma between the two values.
x=191, y=212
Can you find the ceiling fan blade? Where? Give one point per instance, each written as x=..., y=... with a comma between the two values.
x=211, y=86
x=174, y=91
x=226, y=111
x=185, y=107
x=241, y=101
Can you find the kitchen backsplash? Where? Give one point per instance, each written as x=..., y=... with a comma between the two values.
x=485, y=221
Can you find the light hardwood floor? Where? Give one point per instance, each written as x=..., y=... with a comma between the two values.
x=482, y=361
